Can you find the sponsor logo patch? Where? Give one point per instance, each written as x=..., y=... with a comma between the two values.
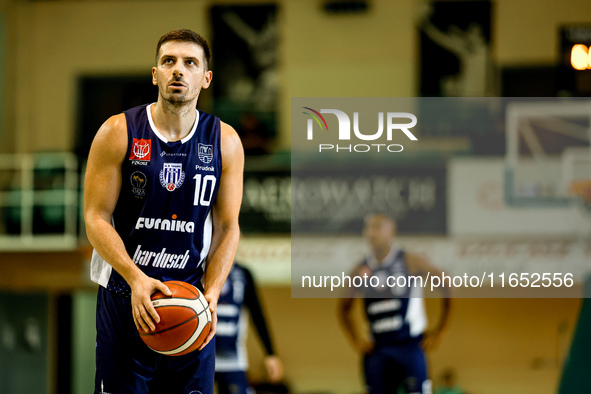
x=141, y=151
x=138, y=184
x=160, y=259
x=173, y=224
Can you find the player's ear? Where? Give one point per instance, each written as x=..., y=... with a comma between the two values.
x=207, y=79
x=154, y=79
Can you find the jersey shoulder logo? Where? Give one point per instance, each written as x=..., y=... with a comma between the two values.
x=141, y=151
x=205, y=153
x=172, y=176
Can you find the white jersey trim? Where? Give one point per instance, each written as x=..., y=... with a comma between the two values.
x=160, y=136
x=100, y=270
x=207, y=233
x=415, y=313
x=228, y=310
x=240, y=363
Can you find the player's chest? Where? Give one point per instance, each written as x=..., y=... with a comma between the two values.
x=154, y=167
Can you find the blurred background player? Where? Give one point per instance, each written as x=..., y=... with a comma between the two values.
x=239, y=293
x=393, y=358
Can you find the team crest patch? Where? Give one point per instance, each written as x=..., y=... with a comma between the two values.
x=205, y=153
x=172, y=176
x=141, y=150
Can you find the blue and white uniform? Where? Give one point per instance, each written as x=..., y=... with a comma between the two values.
x=238, y=294
x=163, y=215
x=397, y=320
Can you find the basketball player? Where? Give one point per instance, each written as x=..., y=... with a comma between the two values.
x=394, y=357
x=240, y=293
x=163, y=191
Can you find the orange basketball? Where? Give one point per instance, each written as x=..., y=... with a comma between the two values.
x=185, y=320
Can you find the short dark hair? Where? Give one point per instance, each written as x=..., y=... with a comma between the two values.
x=186, y=35
x=383, y=216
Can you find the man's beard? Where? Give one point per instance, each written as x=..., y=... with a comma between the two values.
x=177, y=102
x=176, y=98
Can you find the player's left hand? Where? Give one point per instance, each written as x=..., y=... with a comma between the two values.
x=431, y=340
x=274, y=368
x=213, y=304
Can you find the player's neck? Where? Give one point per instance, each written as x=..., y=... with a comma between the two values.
x=174, y=122
x=381, y=252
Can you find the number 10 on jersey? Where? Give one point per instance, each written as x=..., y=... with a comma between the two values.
x=202, y=197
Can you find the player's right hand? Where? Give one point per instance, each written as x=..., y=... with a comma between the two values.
x=274, y=368
x=144, y=313
x=212, y=301
x=431, y=340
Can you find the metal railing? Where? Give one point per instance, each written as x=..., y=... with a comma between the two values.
x=39, y=201
x=42, y=202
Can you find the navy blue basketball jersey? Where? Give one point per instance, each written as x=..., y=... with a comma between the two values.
x=238, y=295
x=232, y=323
x=396, y=315
x=163, y=213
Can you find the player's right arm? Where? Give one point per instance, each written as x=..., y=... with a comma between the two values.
x=345, y=311
x=420, y=265
x=101, y=192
